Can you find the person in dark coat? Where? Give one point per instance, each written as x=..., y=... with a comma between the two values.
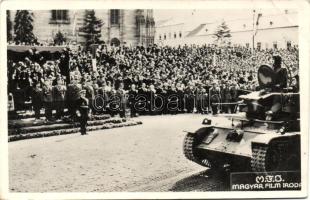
x=280, y=82
x=90, y=93
x=72, y=95
x=189, y=99
x=234, y=97
x=59, y=91
x=281, y=75
x=120, y=92
x=82, y=111
x=101, y=98
x=48, y=99
x=132, y=94
x=143, y=92
x=226, y=97
x=214, y=98
x=37, y=99
x=172, y=100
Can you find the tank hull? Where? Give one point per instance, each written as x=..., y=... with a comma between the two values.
x=246, y=149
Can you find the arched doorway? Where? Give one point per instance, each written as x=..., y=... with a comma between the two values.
x=115, y=42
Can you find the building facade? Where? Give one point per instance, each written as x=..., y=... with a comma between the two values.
x=120, y=27
x=273, y=31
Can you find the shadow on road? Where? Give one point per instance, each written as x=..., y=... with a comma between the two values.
x=208, y=180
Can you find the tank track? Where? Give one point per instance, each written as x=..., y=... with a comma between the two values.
x=259, y=160
x=189, y=151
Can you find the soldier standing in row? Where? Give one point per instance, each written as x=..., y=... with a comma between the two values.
x=37, y=99
x=121, y=95
x=214, y=94
x=48, y=99
x=226, y=98
x=234, y=97
x=72, y=95
x=90, y=93
x=59, y=91
x=132, y=94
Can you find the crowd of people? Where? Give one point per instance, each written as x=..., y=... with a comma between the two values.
x=145, y=80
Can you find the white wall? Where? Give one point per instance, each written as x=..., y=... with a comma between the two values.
x=267, y=37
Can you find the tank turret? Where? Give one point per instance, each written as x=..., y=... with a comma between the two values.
x=283, y=102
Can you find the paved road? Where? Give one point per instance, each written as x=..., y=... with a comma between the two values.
x=141, y=158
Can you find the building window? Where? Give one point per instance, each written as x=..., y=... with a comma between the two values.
x=160, y=37
x=259, y=46
x=271, y=23
x=288, y=45
x=180, y=35
x=247, y=45
x=275, y=45
x=114, y=17
x=165, y=37
x=175, y=35
x=59, y=16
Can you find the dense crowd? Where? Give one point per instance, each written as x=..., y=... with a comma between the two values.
x=152, y=80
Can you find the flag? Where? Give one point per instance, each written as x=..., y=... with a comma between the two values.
x=257, y=22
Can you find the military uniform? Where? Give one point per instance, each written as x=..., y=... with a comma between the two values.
x=48, y=101
x=83, y=110
x=132, y=94
x=280, y=82
x=214, y=98
x=59, y=99
x=226, y=98
x=37, y=101
x=122, y=109
x=72, y=95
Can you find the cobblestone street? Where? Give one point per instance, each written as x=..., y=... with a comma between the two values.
x=148, y=157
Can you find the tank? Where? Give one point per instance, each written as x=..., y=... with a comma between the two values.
x=253, y=139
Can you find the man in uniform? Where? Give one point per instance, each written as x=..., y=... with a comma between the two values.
x=226, y=97
x=122, y=98
x=37, y=99
x=82, y=112
x=59, y=91
x=280, y=82
x=132, y=94
x=214, y=94
x=48, y=99
x=281, y=74
x=72, y=95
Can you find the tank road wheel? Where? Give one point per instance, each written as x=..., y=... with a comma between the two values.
x=191, y=153
x=267, y=158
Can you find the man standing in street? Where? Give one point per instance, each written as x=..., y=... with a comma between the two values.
x=82, y=112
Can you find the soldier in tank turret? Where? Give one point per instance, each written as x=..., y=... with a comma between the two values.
x=279, y=83
x=281, y=75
